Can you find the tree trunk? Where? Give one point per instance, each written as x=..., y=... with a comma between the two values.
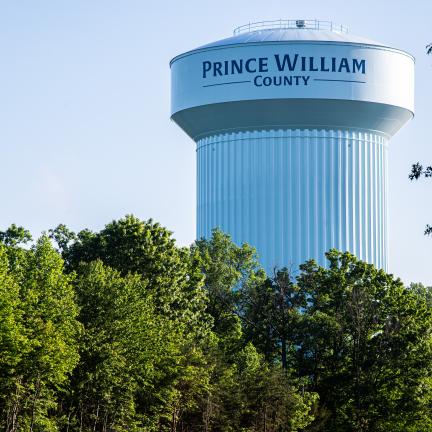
x=96, y=419
x=284, y=353
x=36, y=395
x=81, y=417
x=12, y=416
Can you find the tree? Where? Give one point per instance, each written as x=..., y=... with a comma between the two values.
x=251, y=394
x=128, y=352
x=423, y=292
x=226, y=268
x=15, y=235
x=13, y=343
x=138, y=334
x=418, y=171
x=130, y=245
x=366, y=346
x=63, y=236
x=38, y=335
x=246, y=392
x=139, y=260
x=271, y=400
x=272, y=309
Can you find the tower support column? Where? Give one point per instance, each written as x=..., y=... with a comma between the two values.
x=294, y=194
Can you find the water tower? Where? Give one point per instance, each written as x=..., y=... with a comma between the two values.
x=292, y=120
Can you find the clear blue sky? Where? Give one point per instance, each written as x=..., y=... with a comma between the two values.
x=84, y=110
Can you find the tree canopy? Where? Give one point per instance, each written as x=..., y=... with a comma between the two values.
x=122, y=330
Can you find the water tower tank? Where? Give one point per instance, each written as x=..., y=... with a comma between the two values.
x=292, y=121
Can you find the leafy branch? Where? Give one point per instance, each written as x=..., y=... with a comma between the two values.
x=418, y=171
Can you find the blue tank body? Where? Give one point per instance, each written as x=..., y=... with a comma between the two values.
x=295, y=194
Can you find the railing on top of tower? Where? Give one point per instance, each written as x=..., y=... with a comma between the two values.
x=291, y=24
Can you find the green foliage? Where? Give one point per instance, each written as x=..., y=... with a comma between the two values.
x=226, y=268
x=127, y=350
x=130, y=245
x=38, y=336
x=246, y=392
x=418, y=171
x=15, y=235
x=272, y=311
x=152, y=325
x=366, y=344
x=137, y=334
x=423, y=292
x=63, y=236
x=270, y=397
x=253, y=395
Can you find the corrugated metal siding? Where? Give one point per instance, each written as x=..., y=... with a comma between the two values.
x=294, y=194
